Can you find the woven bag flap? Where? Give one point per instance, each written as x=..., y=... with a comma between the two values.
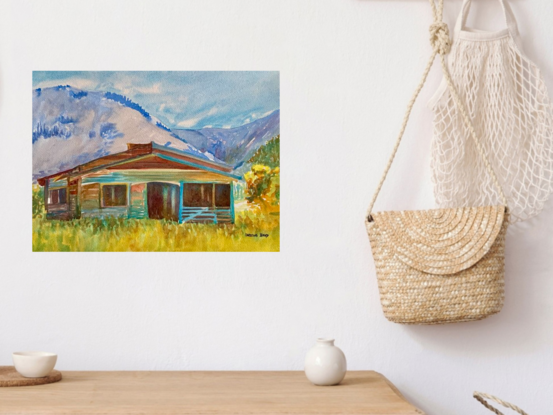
x=440, y=241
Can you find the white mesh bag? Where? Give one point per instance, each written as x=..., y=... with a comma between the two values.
x=508, y=103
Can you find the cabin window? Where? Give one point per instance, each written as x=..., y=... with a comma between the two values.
x=114, y=195
x=198, y=195
x=222, y=195
x=57, y=196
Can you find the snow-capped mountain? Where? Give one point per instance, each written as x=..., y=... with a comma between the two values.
x=233, y=145
x=72, y=127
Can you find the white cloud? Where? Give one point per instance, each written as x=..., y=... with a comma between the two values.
x=154, y=89
x=128, y=88
x=191, y=122
x=124, y=88
x=80, y=83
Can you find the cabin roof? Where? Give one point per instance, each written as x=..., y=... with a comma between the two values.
x=136, y=152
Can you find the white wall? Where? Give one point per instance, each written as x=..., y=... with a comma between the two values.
x=348, y=68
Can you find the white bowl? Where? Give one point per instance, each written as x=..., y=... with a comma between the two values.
x=34, y=364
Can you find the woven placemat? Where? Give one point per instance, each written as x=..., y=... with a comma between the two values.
x=10, y=377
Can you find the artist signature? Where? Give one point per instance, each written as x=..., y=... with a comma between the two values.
x=257, y=235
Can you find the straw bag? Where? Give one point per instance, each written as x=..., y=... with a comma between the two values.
x=481, y=397
x=443, y=265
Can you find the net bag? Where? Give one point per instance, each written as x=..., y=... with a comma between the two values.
x=507, y=101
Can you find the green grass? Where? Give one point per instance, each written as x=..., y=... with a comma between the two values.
x=117, y=235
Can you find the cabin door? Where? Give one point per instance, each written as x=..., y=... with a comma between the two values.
x=163, y=201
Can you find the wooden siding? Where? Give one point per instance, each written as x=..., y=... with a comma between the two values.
x=59, y=214
x=139, y=156
x=113, y=158
x=138, y=207
x=152, y=163
x=56, y=184
x=84, y=195
x=58, y=211
x=91, y=206
x=143, y=176
x=108, y=212
x=73, y=198
x=90, y=197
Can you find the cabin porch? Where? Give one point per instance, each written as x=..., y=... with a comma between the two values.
x=145, y=181
x=185, y=202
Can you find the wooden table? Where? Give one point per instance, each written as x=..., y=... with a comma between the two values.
x=199, y=393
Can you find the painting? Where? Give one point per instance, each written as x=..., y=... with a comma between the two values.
x=156, y=161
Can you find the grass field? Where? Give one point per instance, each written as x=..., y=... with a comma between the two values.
x=117, y=235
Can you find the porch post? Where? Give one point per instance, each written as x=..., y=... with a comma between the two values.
x=46, y=191
x=129, y=202
x=78, y=207
x=181, y=200
x=231, y=202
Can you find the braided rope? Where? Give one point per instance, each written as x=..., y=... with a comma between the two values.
x=441, y=44
x=402, y=130
x=481, y=397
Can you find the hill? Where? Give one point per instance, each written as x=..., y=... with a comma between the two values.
x=233, y=145
x=72, y=126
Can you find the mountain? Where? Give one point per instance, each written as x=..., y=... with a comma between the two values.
x=234, y=146
x=72, y=126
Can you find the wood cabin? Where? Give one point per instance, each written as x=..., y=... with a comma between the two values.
x=145, y=181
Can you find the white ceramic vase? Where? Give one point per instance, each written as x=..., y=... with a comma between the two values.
x=325, y=364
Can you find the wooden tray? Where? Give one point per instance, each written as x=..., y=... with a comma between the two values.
x=10, y=377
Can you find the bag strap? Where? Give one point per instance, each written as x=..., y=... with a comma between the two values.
x=510, y=19
x=441, y=45
x=481, y=397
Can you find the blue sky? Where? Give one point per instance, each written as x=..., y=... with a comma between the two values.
x=183, y=99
